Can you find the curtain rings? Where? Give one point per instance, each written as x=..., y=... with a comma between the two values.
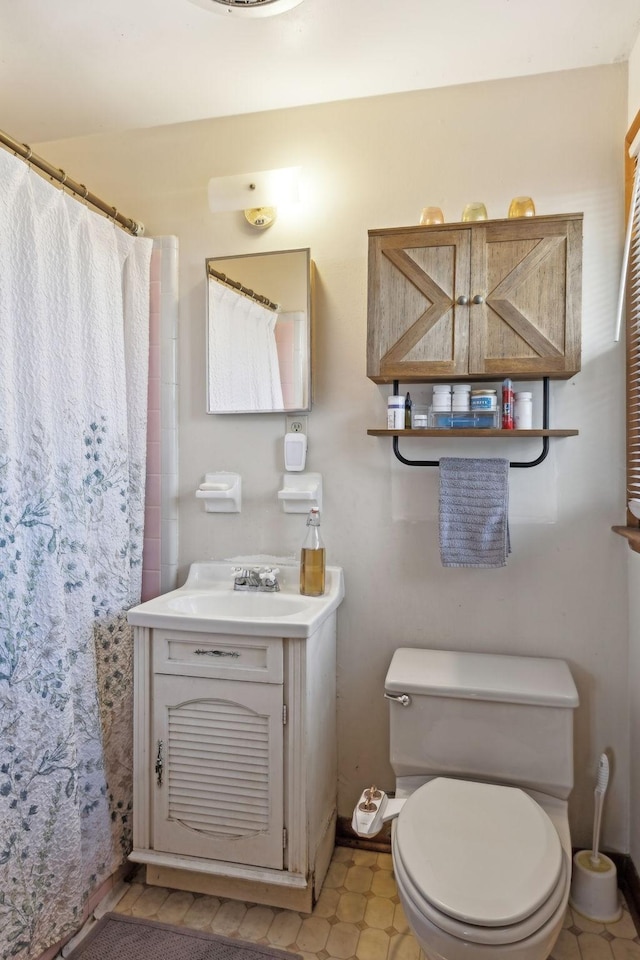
x=114, y=215
x=29, y=152
x=86, y=192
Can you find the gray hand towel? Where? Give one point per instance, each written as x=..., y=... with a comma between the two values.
x=474, y=512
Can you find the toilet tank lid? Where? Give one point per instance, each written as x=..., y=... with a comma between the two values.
x=482, y=676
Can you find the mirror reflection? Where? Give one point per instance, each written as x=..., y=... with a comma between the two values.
x=259, y=332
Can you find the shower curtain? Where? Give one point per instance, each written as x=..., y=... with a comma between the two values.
x=244, y=374
x=74, y=307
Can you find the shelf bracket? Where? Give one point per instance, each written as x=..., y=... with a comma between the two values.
x=512, y=463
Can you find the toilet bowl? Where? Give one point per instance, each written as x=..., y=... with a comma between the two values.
x=482, y=869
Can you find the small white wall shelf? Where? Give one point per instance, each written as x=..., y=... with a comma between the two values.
x=301, y=492
x=221, y=492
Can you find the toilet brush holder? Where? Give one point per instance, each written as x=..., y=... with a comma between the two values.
x=594, y=888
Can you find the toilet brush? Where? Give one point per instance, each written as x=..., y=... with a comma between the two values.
x=594, y=887
x=601, y=789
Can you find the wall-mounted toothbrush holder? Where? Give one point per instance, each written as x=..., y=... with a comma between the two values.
x=221, y=492
x=301, y=492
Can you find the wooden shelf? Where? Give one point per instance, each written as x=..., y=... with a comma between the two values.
x=631, y=535
x=476, y=432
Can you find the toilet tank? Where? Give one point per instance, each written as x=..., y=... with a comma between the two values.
x=502, y=719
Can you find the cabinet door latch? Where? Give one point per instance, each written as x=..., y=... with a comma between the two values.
x=159, y=763
x=284, y=838
x=284, y=714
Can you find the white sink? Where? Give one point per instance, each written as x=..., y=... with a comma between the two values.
x=208, y=603
x=248, y=606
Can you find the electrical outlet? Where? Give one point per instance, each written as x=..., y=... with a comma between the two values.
x=296, y=423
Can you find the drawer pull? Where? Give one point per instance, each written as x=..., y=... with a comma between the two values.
x=217, y=653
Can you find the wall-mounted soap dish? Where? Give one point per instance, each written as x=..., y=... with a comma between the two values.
x=301, y=492
x=221, y=492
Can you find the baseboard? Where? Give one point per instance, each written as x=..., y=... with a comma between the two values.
x=629, y=883
x=346, y=837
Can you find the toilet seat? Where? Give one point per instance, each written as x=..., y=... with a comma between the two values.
x=493, y=869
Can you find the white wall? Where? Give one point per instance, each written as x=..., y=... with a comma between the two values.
x=633, y=569
x=633, y=101
x=373, y=163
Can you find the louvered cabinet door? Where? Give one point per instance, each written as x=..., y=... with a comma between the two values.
x=220, y=745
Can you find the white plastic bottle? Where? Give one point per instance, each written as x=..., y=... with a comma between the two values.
x=523, y=411
x=461, y=396
x=441, y=400
x=395, y=412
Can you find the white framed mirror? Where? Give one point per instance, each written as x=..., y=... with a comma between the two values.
x=259, y=332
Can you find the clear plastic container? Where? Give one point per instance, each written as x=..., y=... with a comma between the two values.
x=419, y=417
x=464, y=420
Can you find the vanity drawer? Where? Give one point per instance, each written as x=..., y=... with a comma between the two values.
x=207, y=655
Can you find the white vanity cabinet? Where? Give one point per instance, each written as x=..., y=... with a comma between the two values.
x=235, y=761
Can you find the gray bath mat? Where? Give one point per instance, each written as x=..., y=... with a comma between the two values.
x=118, y=937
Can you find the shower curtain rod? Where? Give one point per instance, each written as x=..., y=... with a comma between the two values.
x=24, y=151
x=238, y=286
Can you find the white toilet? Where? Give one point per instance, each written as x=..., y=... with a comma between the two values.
x=482, y=750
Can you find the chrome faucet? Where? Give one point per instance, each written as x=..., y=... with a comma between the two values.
x=256, y=579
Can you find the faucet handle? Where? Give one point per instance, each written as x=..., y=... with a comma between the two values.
x=269, y=579
x=245, y=576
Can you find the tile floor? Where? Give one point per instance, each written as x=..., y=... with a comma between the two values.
x=357, y=917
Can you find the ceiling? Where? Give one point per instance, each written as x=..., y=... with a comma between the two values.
x=78, y=67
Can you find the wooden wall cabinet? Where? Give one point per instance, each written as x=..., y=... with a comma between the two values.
x=235, y=763
x=483, y=300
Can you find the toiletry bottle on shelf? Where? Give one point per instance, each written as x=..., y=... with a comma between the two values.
x=523, y=411
x=407, y=412
x=312, y=558
x=507, y=405
x=395, y=412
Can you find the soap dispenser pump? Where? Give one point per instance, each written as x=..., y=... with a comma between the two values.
x=312, y=558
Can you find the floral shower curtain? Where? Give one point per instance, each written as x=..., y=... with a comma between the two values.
x=74, y=301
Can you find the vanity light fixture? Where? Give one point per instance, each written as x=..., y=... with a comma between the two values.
x=247, y=8
x=259, y=194
x=261, y=217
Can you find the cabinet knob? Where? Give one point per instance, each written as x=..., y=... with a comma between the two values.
x=463, y=301
x=478, y=298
